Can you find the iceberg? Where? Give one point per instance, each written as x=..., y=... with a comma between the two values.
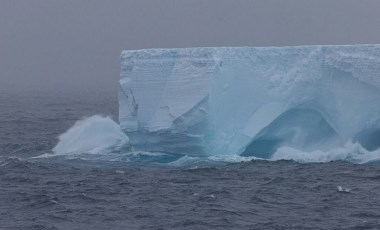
x=250, y=101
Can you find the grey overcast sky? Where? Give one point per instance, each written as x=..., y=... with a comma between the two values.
x=76, y=44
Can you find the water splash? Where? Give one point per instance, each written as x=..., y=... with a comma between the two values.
x=92, y=135
x=98, y=138
x=352, y=152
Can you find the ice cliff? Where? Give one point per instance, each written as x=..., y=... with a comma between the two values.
x=250, y=100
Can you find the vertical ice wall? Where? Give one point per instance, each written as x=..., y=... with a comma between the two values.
x=163, y=98
x=250, y=101
x=263, y=89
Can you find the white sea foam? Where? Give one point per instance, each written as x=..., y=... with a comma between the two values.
x=232, y=158
x=188, y=160
x=342, y=189
x=94, y=135
x=352, y=152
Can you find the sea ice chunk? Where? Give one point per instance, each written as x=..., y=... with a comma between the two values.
x=250, y=100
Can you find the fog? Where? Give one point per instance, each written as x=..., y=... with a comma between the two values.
x=71, y=44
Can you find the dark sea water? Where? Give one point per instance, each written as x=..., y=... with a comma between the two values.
x=124, y=190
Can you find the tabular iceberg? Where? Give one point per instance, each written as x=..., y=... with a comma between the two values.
x=250, y=100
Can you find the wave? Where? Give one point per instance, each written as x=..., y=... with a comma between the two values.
x=98, y=138
x=352, y=152
x=92, y=135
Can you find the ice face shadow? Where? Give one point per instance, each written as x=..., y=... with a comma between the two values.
x=298, y=128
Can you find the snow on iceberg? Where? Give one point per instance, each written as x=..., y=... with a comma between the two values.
x=250, y=100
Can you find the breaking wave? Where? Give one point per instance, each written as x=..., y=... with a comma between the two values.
x=100, y=138
x=352, y=152
x=92, y=135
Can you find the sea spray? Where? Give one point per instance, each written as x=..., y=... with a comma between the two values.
x=352, y=152
x=94, y=135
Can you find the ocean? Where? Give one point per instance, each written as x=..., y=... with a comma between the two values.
x=118, y=188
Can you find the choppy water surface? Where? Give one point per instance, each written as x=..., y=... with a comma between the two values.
x=114, y=188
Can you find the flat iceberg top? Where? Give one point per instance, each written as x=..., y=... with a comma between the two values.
x=335, y=55
x=250, y=100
